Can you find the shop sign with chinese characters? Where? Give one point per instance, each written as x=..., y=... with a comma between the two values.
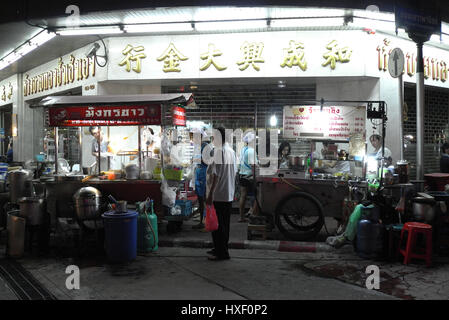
x=330, y=123
x=262, y=54
x=8, y=90
x=104, y=115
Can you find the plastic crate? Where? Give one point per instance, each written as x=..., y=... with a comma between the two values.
x=186, y=206
x=171, y=174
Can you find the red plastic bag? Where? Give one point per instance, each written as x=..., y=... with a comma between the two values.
x=211, y=221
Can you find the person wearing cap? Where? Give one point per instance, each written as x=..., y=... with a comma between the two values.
x=248, y=159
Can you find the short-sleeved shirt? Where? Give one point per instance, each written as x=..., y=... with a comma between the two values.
x=246, y=160
x=378, y=153
x=103, y=146
x=225, y=172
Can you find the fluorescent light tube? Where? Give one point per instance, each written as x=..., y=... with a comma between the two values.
x=230, y=25
x=87, y=31
x=26, y=48
x=374, y=24
x=308, y=22
x=158, y=27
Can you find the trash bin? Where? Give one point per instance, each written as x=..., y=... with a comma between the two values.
x=15, y=227
x=120, y=235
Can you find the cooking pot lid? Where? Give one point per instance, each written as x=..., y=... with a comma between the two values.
x=87, y=192
x=29, y=199
x=424, y=200
x=119, y=215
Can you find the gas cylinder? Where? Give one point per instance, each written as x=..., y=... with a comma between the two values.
x=147, y=233
x=370, y=234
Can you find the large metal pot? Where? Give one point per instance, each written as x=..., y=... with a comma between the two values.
x=20, y=184
x=423, y=208
x=31, y=208
x=132, y=171
x=87, y=203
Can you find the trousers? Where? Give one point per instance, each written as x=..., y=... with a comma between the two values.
x=220, y=237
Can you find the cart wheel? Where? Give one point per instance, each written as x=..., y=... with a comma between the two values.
x=299, y=216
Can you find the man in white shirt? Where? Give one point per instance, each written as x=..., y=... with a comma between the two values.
x=376, y=142
x=223, y=170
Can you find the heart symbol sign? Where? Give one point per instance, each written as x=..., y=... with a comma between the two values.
x=301, y=110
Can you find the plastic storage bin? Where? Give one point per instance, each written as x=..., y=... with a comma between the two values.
x=120, y=235
x=186, y=206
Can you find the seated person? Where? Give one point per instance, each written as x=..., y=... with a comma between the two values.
x=283, y=153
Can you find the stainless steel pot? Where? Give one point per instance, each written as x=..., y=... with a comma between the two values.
x=31, y=208
x=424, y=208
x=132, y=171
x=20, y=184
x=87, y=203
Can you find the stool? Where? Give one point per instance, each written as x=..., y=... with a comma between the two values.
x=257, y=230
x=413, y=229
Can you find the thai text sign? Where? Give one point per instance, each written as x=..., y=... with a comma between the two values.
x=179, y=116
x=331, y=123
x=104, y=115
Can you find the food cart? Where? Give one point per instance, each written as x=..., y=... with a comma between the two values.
x=112, y=111
x=298, y=199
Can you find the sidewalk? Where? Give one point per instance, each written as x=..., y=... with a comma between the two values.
x=197, y=238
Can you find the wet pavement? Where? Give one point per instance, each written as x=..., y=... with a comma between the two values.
x=180, y=270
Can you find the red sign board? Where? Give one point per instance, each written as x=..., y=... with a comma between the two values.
x=179, y=116
x=80, y=116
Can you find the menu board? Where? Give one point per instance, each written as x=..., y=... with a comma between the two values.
x=331, y=123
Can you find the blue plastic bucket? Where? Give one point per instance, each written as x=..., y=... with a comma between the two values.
x=120, y=235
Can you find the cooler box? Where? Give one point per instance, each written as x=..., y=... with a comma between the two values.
x=186, y=207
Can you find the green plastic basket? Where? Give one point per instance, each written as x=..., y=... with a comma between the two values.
x=171, y=174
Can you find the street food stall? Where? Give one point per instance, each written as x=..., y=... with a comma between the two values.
x=330, y=174
x=130, y=140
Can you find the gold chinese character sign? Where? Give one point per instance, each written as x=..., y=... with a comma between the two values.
x=251, y=53
x=336, y=54
x=171, y=57
x=294, y=56
x=209, y=57
x=133, y=54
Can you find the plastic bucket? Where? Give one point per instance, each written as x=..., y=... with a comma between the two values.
x=120, y=235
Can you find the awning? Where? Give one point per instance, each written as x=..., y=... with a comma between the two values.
x=113, y=110
x=185, y=99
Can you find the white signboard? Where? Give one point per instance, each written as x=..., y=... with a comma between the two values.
x=396, y=63
x=331, y=123
x=237, y=55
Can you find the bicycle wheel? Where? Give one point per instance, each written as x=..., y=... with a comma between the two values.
x=299, y=216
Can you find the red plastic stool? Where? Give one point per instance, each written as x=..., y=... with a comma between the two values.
x=414, y=228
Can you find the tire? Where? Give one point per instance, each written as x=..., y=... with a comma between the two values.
x=299, y=216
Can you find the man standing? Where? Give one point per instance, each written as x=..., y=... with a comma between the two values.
x=222, y=170
x=98, y=137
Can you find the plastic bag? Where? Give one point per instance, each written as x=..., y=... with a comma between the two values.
x=165, y=145
x=211, y=221
x=168, y=194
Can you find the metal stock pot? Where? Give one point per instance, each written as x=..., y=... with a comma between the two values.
x=87, y=203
